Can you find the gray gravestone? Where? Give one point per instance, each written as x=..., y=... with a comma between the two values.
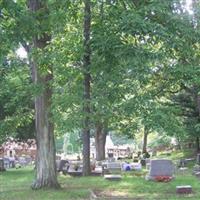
x=160, y=167
x=113, y=177
x=114, y=167
x=184, y=189
x=198, y=158
x=111, y=168
x=62, y=164
x=6, y=162
x=196, y=169
x=2, y=165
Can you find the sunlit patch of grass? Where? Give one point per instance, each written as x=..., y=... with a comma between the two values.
x=178, y=154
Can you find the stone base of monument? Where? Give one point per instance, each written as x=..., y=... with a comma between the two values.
x=184, y=189
x=113, y=177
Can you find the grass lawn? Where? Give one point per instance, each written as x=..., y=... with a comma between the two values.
x=15, y=185
x=178, y=154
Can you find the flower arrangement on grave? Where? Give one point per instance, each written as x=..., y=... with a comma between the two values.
x=163, y=178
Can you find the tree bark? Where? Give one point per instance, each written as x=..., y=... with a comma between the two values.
x=100, y=141
x=197, y=138
x=144, y=147
x=45, y=160
x=197, y=144
x=86, y=84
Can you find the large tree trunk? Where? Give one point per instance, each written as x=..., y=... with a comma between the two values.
x=197, y=144
x=100, y=141
x=198, y=108
x=86, y=97
x=45, y=159
x=144, y=147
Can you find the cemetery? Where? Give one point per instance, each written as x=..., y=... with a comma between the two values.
x=99, y=100
x=159, y=177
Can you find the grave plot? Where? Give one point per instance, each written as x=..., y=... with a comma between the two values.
x=161, y=169
x=111, y=195
x=113, y=171
x=184, y=189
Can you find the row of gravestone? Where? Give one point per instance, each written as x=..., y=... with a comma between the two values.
x=158, y=168
x=166, y=167
x=184, y=162
x=7, y=162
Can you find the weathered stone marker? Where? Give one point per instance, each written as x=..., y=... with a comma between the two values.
x=113, y=177
x=184, y=189
x=197, y=174
x=160, y=167
x=183, y=170
x=2, y=165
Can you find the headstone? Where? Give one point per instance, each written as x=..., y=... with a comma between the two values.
x=136, y=166
x=154, y=153
x=62, y=164
x=110, y=155
x=111, y=159
x=2, y=165
x=147, y=160
x=28, y=160
x=22, y=161
x=6, y=162
x=143, y=162
x=160, y=167
x=184, y=189
x=114, y=167
x=182, y=163
x=74, y=171
x=12, y=162
x=113, y=177
x=197, y=174
x=196, y=169
x=135, y=159
x=183, y=170
x=148, y=166
x=111, y=168
x=189, y=160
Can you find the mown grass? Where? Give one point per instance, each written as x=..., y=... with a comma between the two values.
x=15, y=185
x=178, y=154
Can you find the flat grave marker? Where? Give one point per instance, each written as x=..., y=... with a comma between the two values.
x=184, y=189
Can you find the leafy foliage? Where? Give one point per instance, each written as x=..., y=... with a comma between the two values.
x=16, y=116
x=143, y=55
